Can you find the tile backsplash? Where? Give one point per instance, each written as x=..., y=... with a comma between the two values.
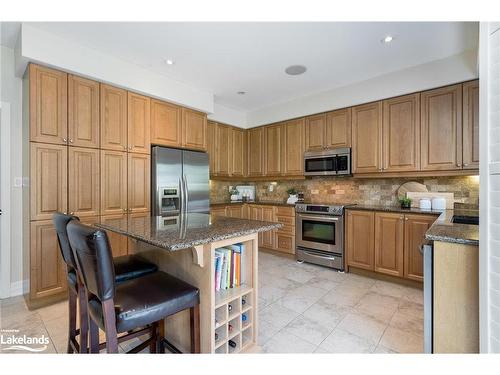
x=381, y=191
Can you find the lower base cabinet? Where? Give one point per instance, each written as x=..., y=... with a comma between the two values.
x=415, y=228
x=389, y=244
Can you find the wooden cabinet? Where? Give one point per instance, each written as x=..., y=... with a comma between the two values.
x=139, y=126
x=47, y=269
x=166, y=124
x=224, y=150
x=218, y=211
x=211, y=147
x=238, y=159
x=367, y=138
x=315, y=130
x=118, y=242
x=441, y=133
x=113, y=182
x=338, y=128
x=471, y=125
x=113, y=118
x=268, y=237
x=235, y=211
x=138, y=186
x=255, y=213
x=48, y=102
x=273, y=140
x=415, y=228
x=389, y=235
x=83, y=181
x=48, y=175
x=360, y=239
x=256, y=150
x=194, y=129
x=293, y=147
x=83, y=112
x=401, y=134
x=284, y=240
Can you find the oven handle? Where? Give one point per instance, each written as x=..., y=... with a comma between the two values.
x=319, y=256
x=319, y=218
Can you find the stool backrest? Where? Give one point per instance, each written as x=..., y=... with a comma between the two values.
x=94, y=259
x=60, y=222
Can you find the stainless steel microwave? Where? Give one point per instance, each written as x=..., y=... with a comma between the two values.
x=334, y=162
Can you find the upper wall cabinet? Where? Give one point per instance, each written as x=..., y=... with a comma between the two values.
x=315, y=132
x=166, y=122
x=256, y=151
x=211, y=146
x=139, y=112
x=113, y=118
x=273, y=140
x=367, y=138
x=293, y=147
x=471, y=125
x=83, y=112
x=441, y=121
x=338, y=128
x=401, y=134
x=48, y=98
x=238, y=159
x=224, y=150
x=194, y=129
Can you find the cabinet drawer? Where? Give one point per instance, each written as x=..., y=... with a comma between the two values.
x=285, y=243
x=288, y=224
x=285, y=211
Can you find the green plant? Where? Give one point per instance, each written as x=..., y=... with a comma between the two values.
x=291, y=191
x=405, y=202
x=233, y=192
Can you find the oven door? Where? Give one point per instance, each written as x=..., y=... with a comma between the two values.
x=320, y=165
x=320, y=232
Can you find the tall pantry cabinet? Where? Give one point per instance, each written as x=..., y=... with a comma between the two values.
x=87, y=154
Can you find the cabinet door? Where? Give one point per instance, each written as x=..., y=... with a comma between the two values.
x=255, y=213
x=338, y=128
x=83, y=112
x=415, y=228
x=315, y=132
x=166, y=124
x=239, y=152
x=139, y=198
x=139, y=126
x=285, y=243
x=256, y=152
x=293, y=147
x=389, y=243
x=268, y=237
x=194, y=129
x=224, y=151
x=113, y=118
x=218, y=211
x=113, y=182
x=48, y=98
x=211, y=147
x=235, y=211
x=83, y=181
x=360, y=239
x=367, y=138
x=401, y=134
x=48, y=273
x=273, y=141
x=49, y=178
x=441, y=121
x=118, y=242
x=471, y=125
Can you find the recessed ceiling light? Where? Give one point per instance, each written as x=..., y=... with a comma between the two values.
x=169, y=62
x=295, y=70
x=241, y=92
x=387, y=39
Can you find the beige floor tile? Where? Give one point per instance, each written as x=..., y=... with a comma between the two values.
x=380, y=349
x=269, y=294
x=308, y=329
x=266, y=331
x=55, y=311
x=358, y=281
x=341, y=298
x=411, y=308
x=340, y=341
x=331, y=274
x=377, y=306
x=414, y=295
x=277, y=315
x=328, y=315
x=401, y=341
x=323, y=283
x=363, y=326
x=284, y=342
x=388, y=288
x=300, y=299
x=408, y=323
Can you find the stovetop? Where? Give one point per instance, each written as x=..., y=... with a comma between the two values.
x=336, y=209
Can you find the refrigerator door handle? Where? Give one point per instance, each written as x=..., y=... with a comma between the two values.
x=182, y=195
x=186, y=190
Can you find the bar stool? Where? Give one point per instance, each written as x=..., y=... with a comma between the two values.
x=131, y=305
x=126, y=268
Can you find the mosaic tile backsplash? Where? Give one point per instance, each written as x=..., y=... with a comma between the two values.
x=352, y=190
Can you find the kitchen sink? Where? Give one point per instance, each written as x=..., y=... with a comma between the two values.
x=461, y=219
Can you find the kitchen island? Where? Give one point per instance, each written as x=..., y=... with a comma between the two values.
x=184, y=246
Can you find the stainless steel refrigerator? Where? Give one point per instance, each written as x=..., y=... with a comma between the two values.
x=179, y=181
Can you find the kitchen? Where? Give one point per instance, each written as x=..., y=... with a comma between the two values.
x=318, y=194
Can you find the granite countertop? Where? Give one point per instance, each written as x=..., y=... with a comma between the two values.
x=182, y=232
x=443, y=229
x=264, y=203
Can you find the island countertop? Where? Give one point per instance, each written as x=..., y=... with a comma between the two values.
x=186, y=231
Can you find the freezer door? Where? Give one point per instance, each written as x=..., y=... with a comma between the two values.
x=166, y=178
x=195, y=175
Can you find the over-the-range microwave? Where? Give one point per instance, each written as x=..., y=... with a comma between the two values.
x=334, y=162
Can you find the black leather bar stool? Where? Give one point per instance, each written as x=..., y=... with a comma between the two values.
x=133, y=304
x=126, y=268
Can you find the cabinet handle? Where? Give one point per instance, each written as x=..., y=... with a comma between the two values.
x=130, y=147
x=406, y=218
x=459, y=165
x=65, y=140
x=466, y=164
x=70, y=140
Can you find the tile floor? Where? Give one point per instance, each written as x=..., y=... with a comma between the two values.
x=303, y=308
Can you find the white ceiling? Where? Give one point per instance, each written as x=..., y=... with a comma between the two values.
x=225, y=58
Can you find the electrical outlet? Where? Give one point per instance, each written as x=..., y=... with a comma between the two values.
x=18, y=182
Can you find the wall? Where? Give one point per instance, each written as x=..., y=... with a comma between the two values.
x=11, y=92
x=354, y=190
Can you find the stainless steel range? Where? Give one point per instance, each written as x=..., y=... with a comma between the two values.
x=319, y=234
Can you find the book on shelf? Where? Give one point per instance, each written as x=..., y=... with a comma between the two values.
x=229, y=266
